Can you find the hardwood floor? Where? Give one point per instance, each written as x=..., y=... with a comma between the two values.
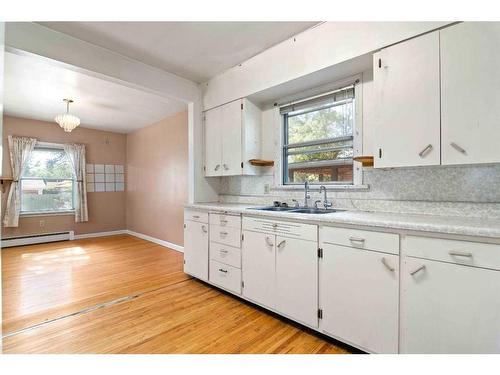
x=171, y=312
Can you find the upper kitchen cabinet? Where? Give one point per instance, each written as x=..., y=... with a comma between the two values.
x=406, y=84
x=232, y=138
x=470, y=86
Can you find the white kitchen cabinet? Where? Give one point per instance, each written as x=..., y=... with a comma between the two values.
x=449, y=308
x=213, y=142
x=470, y=86
x=406, y=87
x=297, y=279
x=232, y=138
x=359, y=297
x=258, y=267
x=196, y=249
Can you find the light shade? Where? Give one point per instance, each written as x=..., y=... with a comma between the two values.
x=67, y=122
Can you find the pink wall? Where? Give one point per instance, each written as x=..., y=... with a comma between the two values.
x=106, y=210
x=157, y=178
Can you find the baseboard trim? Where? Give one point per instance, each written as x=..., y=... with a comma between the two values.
x=100, y=234
x=170, y=245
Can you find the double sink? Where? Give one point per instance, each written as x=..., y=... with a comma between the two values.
x=300, y=210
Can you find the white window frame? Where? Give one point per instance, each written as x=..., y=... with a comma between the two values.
x=49, y=146
x=357, y=132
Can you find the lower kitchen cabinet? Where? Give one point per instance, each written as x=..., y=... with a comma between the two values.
x=449, y=308
x=258, y=265
x=359, y=297
x=196, y=249
x=297, y=279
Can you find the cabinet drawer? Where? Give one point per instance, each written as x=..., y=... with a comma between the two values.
x=225, y=254
x=193, y=215
x=453, y=251
x=225, y=220
x=362, y=239
x=281, y=228
x=225, y=276
x=225, y=235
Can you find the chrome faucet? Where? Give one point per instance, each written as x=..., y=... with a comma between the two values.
x=326, y=203
x=306, y=194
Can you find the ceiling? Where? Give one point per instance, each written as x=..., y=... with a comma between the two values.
x=193, y=50
x=35, y=89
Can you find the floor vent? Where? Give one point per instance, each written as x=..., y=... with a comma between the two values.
x=37, y=238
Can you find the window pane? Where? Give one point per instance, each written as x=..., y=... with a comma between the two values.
x=43, y=195
x=326, y=123
x=48, y=163
x=338, y=173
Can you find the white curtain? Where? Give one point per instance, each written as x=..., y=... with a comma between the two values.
x=19, y=149
x=76, y=155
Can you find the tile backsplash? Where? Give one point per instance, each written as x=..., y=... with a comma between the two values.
x=442, y=190
x=105, y=178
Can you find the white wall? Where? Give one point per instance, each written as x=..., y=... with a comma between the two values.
x=325, y=45
x=75, y=54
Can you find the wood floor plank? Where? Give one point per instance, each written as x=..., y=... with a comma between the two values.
x=183, y=315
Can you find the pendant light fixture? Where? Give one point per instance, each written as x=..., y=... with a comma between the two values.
x=66, y=121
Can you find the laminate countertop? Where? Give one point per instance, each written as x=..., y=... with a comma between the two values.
x=467, y=226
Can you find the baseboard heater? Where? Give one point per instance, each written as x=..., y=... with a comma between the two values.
x=37, y=238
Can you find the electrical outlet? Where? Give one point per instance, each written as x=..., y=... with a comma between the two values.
x=42, y=223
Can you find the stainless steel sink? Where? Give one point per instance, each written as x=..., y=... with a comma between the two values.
x=315, y=211
x=272, y=208
x=304, y=210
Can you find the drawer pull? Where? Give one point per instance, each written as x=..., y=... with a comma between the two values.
x=421, y=268
x=425, y=151
x=226, y=167
x=222, y=270
x=217, y=167
x=281, y=243
x=223, y=251
x=204, y=229
x=269, y=242
x=223, y=221
x=356, y=239
x=387, y=265
x=196, y=217
x=275, y=225
x=223, y=233
x=460, y=254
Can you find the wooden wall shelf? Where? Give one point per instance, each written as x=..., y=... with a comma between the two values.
x=366, y=161
x=261, y=163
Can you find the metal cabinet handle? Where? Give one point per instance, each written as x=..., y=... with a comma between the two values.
x=204, y=229
x=196, y=217
x=223, y=233
x=425, y=151
x=268, y=241
x=460, y=254
x=222, y=251
x=387, y=265
x=275, y=225
x=223, y=221
x=281, y=243
x=458, y=148
x=217, y=167
x=421, y=268
x=222, y=270
x=226, y=167
x=356, y=239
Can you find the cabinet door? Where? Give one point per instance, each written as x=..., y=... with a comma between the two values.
x=297, y=279
x=359, y=296
x=196, y=249
x=231, y=138
x=258, y=267
x=449, y=308
x=406, y=82
x=213, y=142
x=470, y=84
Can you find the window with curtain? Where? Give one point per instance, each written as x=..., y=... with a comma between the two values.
x=47, y=183
x=318, y=139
